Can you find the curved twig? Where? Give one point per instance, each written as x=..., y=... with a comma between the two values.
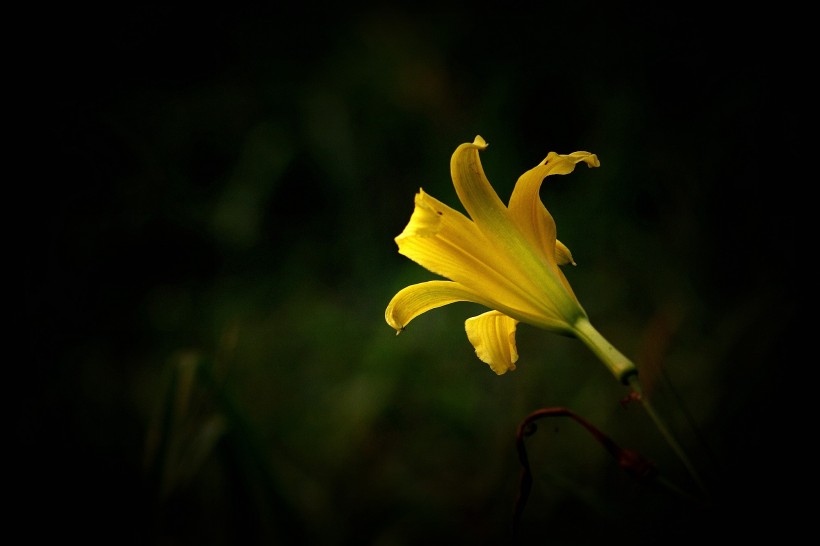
x=631, y=461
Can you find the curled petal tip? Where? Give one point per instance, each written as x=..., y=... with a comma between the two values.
x=480, y=142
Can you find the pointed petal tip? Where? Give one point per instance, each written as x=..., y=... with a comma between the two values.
x=395, y=325
x=563, y=256
x=480, y=142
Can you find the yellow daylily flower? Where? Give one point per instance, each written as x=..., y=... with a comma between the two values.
x=505, y=258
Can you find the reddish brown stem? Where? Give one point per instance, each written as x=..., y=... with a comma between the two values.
x=631, y=461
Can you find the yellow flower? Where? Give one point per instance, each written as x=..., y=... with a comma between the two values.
x=505, y=258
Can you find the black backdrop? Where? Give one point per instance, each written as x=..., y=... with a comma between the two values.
x=210, y=182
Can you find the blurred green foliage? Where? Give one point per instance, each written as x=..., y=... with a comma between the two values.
x=215, y=198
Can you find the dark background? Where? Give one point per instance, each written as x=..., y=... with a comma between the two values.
x=210, y=199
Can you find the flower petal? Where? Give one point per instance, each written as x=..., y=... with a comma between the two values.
x=526, y=208
x=493, y=336
x=446, y=242
x=471, y=184
x=486, y=209
x=416, y=299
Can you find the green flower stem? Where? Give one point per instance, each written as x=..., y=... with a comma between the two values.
x=667, y=434
x=620, y=366
x=625, y=371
